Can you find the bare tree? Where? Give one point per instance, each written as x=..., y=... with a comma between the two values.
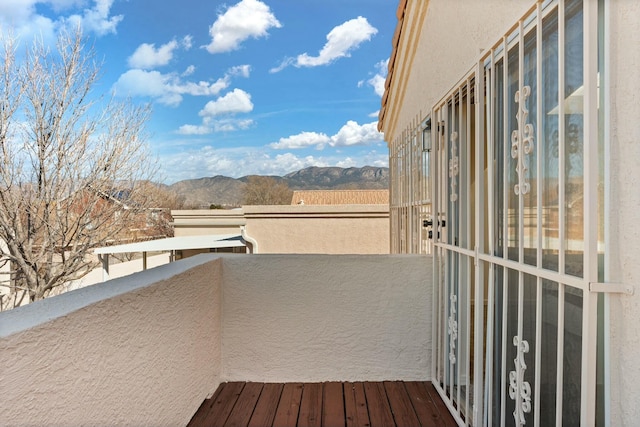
x=70, y=164
x=265, y=190
x=161, y=200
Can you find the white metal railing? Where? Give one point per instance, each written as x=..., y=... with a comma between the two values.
x=410, y=198
x=515, y=329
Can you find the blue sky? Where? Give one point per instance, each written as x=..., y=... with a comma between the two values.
x=237, y=87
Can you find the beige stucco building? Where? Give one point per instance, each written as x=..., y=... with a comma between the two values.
x=320, y=229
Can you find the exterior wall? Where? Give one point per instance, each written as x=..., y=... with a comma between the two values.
x=143, y=350
x=624, y=213
x=453, y=35
x=341, y=229
x=207, y=221
x=323, y=318
x=148, y=348
x=353, y=229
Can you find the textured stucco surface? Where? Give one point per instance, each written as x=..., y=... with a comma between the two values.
x=146, y=356
x=321, y=318
x=625, y=212
x=452, y=37
x=321, y=235
x=146, y=349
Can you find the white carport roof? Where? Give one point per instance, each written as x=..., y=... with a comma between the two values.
x=176, y=244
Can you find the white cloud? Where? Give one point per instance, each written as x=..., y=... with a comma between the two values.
x=97, y=19
x=23, y=18
x=217, y=116
x=17, y=11
x=187, y=42
x=341, y=41
x=350, y=134
x=236, y=101
x=210, y=126
x=146, y=56
x=240, y=70
x=248, y=18
x=354, y=134
x=230, y=124
x=375, y=114
x=142, y=83
x=378, y=80
x=194, y=130
x=302, y=140
x=190, y=70
x=168, y=89
x=284, y=64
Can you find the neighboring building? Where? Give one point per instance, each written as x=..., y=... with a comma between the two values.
x=320, y=229
x=522, y=116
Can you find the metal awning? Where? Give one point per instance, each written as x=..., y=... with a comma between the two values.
x=176, y=244
x=170, y=244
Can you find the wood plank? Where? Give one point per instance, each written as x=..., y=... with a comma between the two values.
x=400, y=403
x=379, y=410
x=333, y=405
x=423, y=404
x=244, y=407
x=446, y=418
x=223, y=404
x=355, y=405
x=200, y=415
x=311, y=406
x=289, y=406
x=266, y=406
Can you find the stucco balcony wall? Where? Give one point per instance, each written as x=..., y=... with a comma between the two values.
x=148, y=348
x=308, y=318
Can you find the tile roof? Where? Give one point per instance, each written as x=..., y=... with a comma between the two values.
x=340, y=197
x=402, y=5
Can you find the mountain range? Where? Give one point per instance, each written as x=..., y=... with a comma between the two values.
x=226, y=191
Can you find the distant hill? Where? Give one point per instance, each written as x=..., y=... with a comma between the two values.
x=222, y=190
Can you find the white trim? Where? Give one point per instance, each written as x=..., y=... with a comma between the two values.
x=612, y=288
x=606, y=92
x=590, y=227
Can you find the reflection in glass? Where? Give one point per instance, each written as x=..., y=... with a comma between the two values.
x=574, y=139
x=498, y=160
x=572, y=366
x=499, y=298
x=548, y=143
x=548, y=353
x=512, y=176
x=512, y=331
x=530, y=199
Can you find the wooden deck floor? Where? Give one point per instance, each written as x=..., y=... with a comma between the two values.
x=330, y=404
